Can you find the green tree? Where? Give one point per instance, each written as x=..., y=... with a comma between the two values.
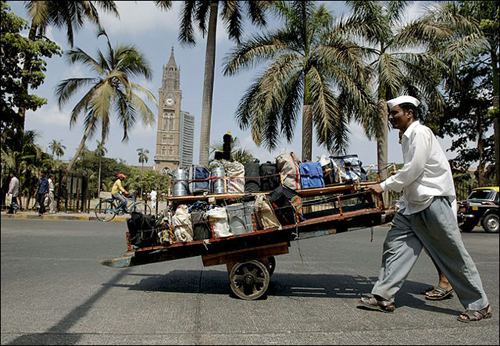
x=308, y=60
x=69, y=14
x=469, y=96
x=57, y=148
x=404, y=58
x=232, y=13
x=15, y=82
x=143, y=158
x=486, y=14
x=110, y=88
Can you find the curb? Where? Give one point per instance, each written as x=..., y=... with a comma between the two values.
x=60, y=217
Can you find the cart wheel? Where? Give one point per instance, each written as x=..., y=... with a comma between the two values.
x=249, y=280
x=272, y=265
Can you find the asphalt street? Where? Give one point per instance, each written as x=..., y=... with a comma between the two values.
x=55, y=292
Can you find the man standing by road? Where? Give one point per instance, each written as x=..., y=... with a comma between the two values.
x=426, y=219
x=14, y=191
x=42, y=191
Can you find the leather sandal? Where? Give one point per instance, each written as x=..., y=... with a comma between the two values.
x=375, y=304
x=439, y=293
x=475, y=315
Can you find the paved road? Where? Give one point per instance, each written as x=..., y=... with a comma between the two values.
x=54, y=291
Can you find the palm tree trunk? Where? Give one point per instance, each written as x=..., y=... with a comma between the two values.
x=307, y=127
x=208, y=85
x=382, y=146
x=496, y=130
x=99, y=179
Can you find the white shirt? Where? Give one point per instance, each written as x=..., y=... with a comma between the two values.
x=426, y=172
x=51, y=186
x=14, y=187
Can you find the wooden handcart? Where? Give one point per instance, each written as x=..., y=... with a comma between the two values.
x=250, y=257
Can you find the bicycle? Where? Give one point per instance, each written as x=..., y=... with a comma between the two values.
x=106, y=210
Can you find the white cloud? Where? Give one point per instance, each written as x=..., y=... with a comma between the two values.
x=140, y=18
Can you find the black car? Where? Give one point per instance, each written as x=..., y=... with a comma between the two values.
x=480, y=207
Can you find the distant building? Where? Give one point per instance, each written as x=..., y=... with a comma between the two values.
x=175, y=133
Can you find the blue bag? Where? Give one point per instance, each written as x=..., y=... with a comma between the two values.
x=311, y=175
x=199, y=182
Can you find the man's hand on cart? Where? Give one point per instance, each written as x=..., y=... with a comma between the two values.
x=376, y=188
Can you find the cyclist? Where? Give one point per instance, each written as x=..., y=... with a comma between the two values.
x=117, y=192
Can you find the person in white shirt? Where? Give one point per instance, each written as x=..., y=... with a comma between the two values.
x=153, y=199
x=426, y=218
x=443, y=290
x=14, y=191
x=52, y=201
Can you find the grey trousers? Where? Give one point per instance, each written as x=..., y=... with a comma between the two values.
x=436, y=229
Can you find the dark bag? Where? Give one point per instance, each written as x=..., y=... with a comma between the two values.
x=252, y=170
x=287, y=205
x=201, y=223
x=269, y=176
x=142, y=229
x=199, y=180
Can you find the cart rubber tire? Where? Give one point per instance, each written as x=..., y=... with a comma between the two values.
x=272, y=265
x=249, y=280
x=468, y=225
x=490, y=223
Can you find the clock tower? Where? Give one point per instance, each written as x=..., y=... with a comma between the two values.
x=168, y=136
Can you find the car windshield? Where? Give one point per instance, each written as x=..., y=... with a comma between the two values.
x=482, y=194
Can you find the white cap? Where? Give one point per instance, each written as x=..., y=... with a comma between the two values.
x=403, y=99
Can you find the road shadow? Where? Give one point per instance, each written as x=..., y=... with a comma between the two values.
x=286, y=285
x=58, y=334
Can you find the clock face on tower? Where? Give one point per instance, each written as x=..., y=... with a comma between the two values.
x=169, y=101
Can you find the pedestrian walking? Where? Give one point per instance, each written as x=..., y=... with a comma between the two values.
x=426, y=219
x=42, y=192
x=52, y=187
x=13, y=192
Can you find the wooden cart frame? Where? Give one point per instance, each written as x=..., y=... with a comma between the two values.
x=250, y=257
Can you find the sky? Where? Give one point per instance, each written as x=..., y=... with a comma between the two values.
x=155, y=33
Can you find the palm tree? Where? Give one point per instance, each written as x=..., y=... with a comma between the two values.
x=308, y=60
x=143, y=158
x=100, y=151
x=405, y=58
x=111, y=87
x=68, y=14
x=57, y=148
x=231, y=14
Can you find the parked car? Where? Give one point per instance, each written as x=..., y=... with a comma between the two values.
x=480, y=207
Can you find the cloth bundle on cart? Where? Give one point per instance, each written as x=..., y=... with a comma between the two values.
x=252, y=176
x=311, y=175
x=265, y=217
x=218, y=217
x=142, y=229
x=198, y=180
x=235, y=177
x=201, y=223
x=287, y=205
x=183, y=227
x=240, y=217
x=269, y=176
x=288, y=166
x=347, y=169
